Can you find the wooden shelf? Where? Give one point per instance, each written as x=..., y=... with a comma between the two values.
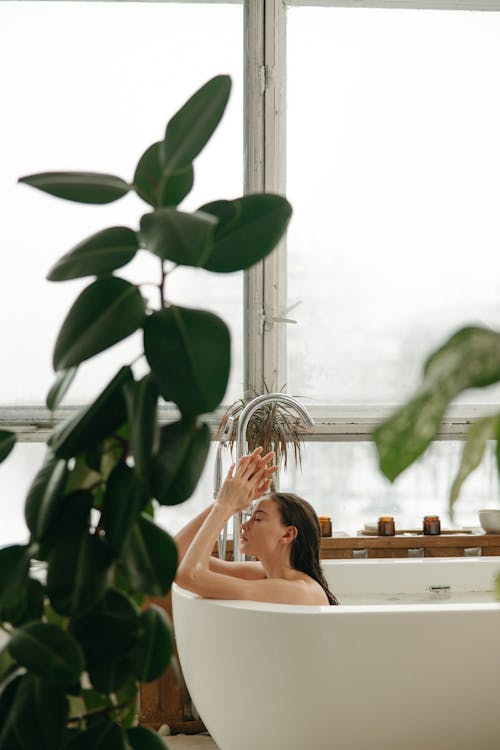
x=450, y=545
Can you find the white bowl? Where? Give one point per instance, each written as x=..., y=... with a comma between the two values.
x=489, y=519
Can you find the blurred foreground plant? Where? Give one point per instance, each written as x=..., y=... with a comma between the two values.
x=469, y=359
x=80, y=642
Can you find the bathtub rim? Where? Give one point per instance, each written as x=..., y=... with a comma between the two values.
x=341, y=610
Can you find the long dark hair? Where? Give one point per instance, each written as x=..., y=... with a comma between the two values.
x=304, y=554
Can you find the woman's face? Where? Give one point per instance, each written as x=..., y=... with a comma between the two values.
x=261, y=534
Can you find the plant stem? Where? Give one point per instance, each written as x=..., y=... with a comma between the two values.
x=162, y=285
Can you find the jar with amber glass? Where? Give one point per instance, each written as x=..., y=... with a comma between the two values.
x=432, y=525
x=325, y=523
x=386, y=526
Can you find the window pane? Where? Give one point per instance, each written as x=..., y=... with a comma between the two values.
x=342, y=480
x=90, y=88
x=393, y=172
x=18, y=471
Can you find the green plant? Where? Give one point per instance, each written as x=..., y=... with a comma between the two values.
x=80, y=642
x=273, y=426
x=468, y=359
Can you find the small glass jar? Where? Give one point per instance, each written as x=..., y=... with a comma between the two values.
x=432, y=525
x=386, y=526
x=325, y=523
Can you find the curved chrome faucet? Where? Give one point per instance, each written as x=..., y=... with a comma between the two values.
x=243, y=422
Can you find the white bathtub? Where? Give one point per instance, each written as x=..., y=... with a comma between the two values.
x=389, y=676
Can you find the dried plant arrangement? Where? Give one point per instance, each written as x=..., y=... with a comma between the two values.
x=275, y=426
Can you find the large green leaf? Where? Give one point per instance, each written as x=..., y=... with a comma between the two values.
x=48, y=651
x=72, y=519
x=107, y=311
x=14, y=569
x=106, y=638
x=39, y=714
x=469, y=359
x=155, y=184
x=95, y=422
x=248, y=229
x=109, y=636
x=83, y=187
x=60, y=387
x=192, y=126
x=155, y=647
x=99, y=254
x=149, y=558
x=142, y=738
x=45, y=496
x=124, y=499
x=177, y=467
x=189, y=354
x=77, y=573
x=8, y=693
x=142, y=407
x=472, y=452
x=7, y=442
x=178, y=236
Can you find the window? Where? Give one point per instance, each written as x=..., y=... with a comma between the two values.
x=389, y=157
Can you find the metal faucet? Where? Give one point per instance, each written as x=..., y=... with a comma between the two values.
x=223, y=441
x=243, y=422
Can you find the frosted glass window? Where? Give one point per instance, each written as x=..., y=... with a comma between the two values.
x=342, y=480
x=90, y=87
x=393, y=164
x=17, y=473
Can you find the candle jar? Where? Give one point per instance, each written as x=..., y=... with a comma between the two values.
x=325, y=523
x=432, y=525
x=386, y=526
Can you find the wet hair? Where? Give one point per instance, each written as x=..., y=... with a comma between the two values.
x=304, y=554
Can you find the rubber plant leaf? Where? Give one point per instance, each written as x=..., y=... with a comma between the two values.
x=106, y=637
x=158, y=186
x=99, y=254
x=77, y=573
x=40, y=712
x=469, y=359
x=181, y=237
x=60, y=387
x=124, y=499
x=178, y=465
x=155, y=648
x=107, y=311
x=95, y=422
x=247, y=233
x=7, y=442
x=144, y=436
x=45, y=497
x=149, y=558
x=189, y=354
x=14, y=570
x=82, y=187
x=192, y=126
x=47, y=651
x=72, y=519
x=473, y=449
x=8, y=695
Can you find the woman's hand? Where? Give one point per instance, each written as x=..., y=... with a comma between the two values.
x=248, y=481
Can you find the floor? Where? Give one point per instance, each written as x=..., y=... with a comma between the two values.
x=189, y=742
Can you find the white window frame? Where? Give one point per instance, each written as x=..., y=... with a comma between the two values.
x=265, y=297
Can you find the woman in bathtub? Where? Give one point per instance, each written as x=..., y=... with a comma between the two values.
x=283, y=533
